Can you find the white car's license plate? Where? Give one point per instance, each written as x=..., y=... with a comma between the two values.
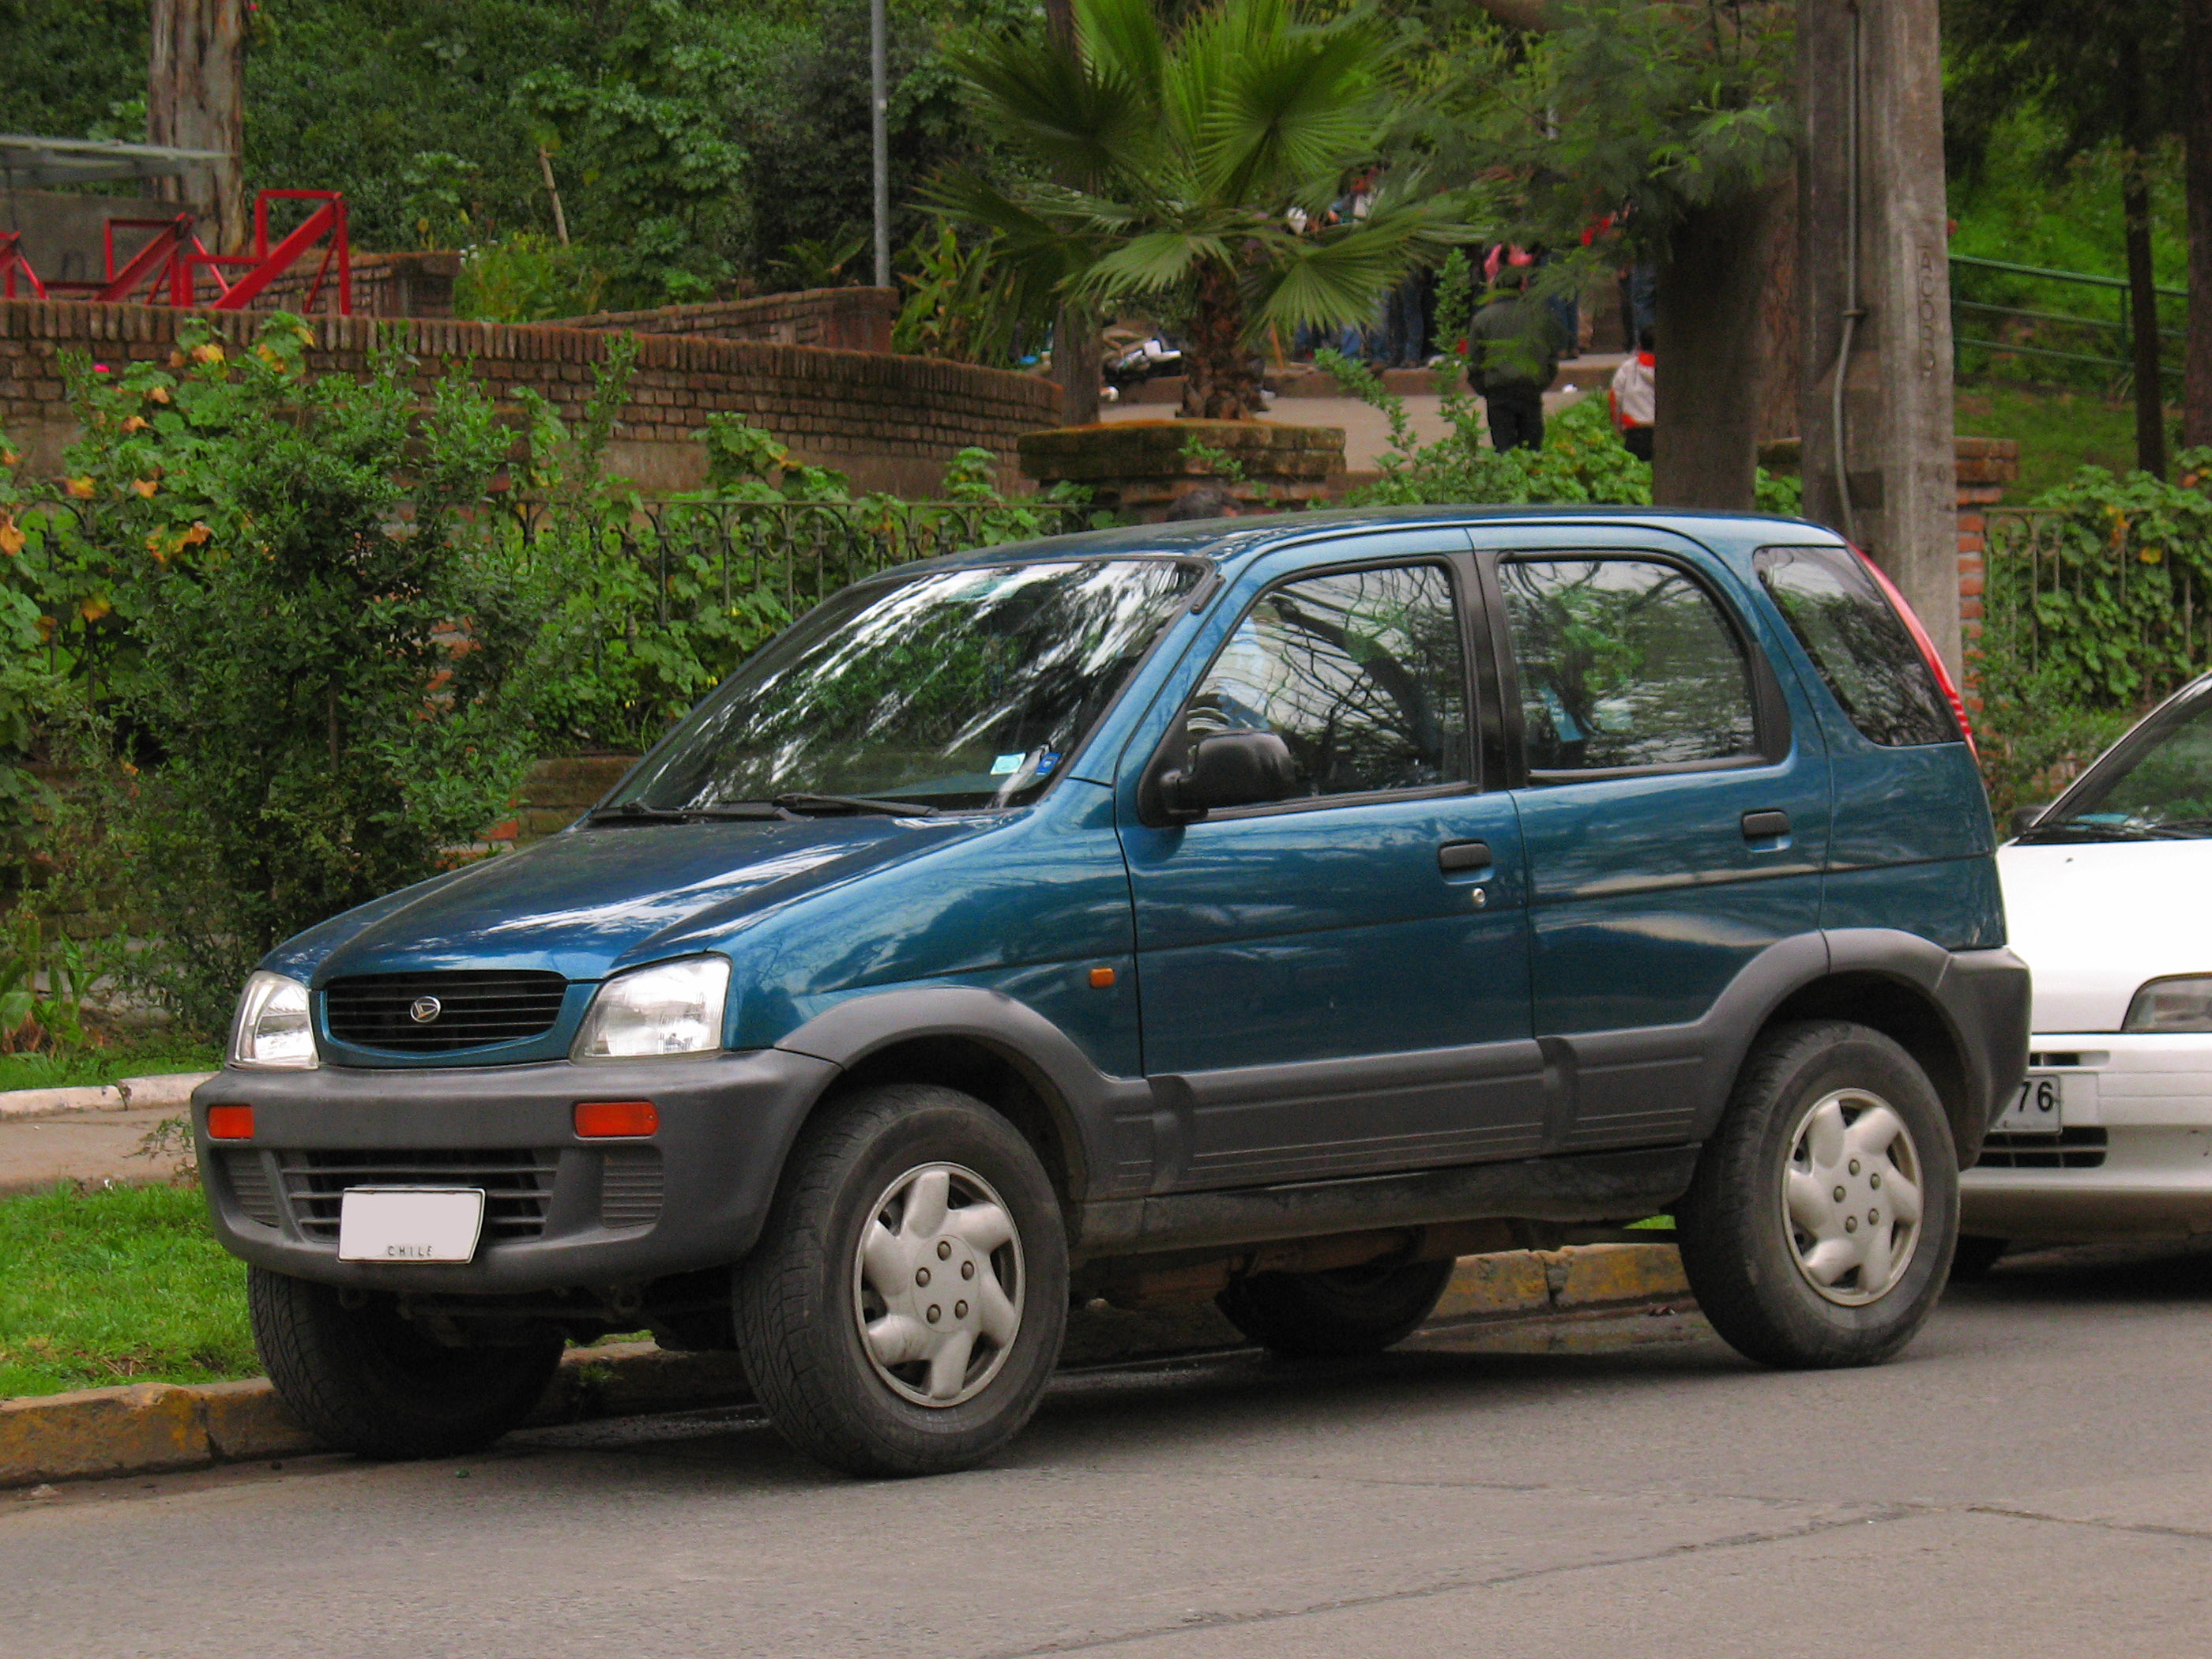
x=2039, y=1108
x=410, y=1223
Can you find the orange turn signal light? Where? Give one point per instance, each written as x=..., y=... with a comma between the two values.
x=612, y=1120
x=1102, y=979
x=230, y=1123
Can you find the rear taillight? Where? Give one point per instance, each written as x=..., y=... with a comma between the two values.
x=1928, y=654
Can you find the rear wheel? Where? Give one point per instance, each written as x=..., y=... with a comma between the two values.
x=903, y=1311
x=1820, y=1225
x=360, y=1378
x=1348, y=1310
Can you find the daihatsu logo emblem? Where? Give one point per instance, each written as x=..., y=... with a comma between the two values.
x=423, y=1009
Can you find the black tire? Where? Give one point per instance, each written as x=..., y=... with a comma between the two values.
x=801, y=1294
x=1976, y=1254
x=362, y=1379
x=1343, y=1312
x=1741, y=1249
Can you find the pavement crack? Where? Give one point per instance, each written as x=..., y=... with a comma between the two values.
x=2202, y=1534
x=1868, y=1515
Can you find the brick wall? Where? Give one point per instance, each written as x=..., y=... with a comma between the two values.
x=890, y=421
x=384, y=285
x=1986, y=465
x=843, y=318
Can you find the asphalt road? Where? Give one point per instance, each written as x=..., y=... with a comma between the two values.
x=2034, y=1478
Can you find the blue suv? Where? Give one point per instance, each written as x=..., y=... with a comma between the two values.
x=1275, y=908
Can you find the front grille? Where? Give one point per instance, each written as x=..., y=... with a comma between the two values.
x=249, y=1184
x=518, y=1185
x=629, y=1187
x=2069, y=1149
x=472, y=1010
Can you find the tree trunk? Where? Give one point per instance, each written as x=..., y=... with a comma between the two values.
x=1705, y=446
x=2196, y=126
x=1218, y=384
x=1779, y=323
x=1075, y=353
x=2143, y=281
x=196, y=100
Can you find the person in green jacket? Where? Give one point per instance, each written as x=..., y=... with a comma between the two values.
x=1514, y=346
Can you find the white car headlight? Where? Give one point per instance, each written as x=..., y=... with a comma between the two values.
x=670, y=1008
x=273, y=1029
x=2183, y=1004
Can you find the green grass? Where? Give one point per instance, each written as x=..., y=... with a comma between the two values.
x=97, y=1066
x=126, y=1285
x=2059, y=431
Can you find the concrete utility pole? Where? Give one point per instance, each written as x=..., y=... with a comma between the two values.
x=196, y=100
x=1874, y=279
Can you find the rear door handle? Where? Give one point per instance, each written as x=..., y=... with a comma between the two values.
x=1765, y=826
x=1457, y=855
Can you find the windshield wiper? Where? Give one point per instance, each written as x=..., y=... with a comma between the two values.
x=817, y=803
x=2074, y=829
x=634, y=812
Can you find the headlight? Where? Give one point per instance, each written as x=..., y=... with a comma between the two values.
x=670, y=1008
x=2184, y=1004
x=272, y=1031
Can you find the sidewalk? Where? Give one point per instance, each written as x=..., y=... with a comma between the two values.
x=93, y=1147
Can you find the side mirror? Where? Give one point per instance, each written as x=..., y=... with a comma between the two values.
x=1229, y=769
x=2023, y=817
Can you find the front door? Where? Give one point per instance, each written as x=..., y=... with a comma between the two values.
x=1337, y=983
x=1674, y=813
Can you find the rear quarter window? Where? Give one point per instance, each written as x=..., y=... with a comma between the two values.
x=1859, y=643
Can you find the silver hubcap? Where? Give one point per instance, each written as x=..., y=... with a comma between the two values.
x=1851, y=1197
x=937, y=1284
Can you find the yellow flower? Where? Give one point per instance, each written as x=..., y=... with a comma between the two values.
x=192, y=538
x=160, y=394
x=11, y=537
x=145, y=487
x=93, y=609
x=81, y=488
x=136, y=423
x=209, y=353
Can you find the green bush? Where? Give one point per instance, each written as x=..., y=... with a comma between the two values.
x=2065, y=669
x=329, y=676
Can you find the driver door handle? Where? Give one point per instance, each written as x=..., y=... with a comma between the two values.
x=1457, y=855
x=1765, y=826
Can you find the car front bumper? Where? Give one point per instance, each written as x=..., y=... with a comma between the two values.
x=2134, y=1159
x=563, y=1211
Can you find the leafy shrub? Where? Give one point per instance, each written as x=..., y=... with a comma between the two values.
x=525, y=277
x=330, y=666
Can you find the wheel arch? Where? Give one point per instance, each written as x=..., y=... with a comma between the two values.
x=1909, y=1015
x=987, y=1044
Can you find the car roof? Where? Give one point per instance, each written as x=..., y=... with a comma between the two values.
x=1223, y=539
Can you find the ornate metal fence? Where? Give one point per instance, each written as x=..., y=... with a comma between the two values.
x=2128, y=613
x=800, y=552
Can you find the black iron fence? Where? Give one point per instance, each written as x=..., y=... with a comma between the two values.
x=2123, y=611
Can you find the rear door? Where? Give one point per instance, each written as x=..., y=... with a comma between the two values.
x=1337, y=983
x=1673, y=814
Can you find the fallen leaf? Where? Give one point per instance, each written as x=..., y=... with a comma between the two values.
x=93, y=609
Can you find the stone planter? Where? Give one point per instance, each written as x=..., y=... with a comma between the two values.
x=1141, y=468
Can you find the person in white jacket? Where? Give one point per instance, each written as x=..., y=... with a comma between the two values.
x=1634, y=398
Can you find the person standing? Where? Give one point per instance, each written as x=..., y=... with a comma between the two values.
x=1634, y=396
x=1513, y=353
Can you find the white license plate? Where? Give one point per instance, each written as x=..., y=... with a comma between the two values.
x=2039, y=1108
x=410, y=1223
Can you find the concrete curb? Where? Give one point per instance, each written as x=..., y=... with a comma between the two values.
x=151, y=1428
x=132, y=1094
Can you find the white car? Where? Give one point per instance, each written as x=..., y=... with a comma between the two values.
x=2108, y=896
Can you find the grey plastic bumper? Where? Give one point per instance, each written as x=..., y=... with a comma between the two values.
x=725, y=1125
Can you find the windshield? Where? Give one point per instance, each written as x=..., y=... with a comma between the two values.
x=2157, y=785
x=957, y=689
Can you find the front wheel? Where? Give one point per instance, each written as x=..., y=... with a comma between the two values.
x=1820, y=1225
x=904, y=1308
x=362, y=1379
x=1347, y=1311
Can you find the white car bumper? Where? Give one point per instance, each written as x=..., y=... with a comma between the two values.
x=2134, y=1156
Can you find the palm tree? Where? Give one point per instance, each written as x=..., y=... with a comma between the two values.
x=1195, y=171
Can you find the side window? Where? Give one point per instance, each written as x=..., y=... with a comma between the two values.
x=1859, y=643
x=1624, y=662
x=1360, y=673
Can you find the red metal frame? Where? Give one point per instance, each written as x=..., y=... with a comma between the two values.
x=173, y=258
x=12, y=261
